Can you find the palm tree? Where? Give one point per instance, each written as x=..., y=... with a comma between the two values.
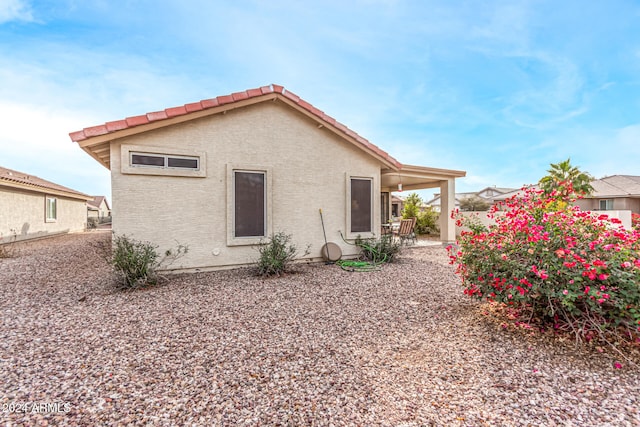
x=567, y=180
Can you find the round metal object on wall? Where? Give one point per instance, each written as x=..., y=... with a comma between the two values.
x=331, y=252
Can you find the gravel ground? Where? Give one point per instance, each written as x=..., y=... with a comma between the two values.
x=397, y=347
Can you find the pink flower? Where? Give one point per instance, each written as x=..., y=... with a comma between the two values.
x=603, y=276
x=625, y=264
x=617, y=365
x=565, y=292
x=587, y=289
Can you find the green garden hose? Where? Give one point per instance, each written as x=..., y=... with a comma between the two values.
x=357, y=266
x=363, y=266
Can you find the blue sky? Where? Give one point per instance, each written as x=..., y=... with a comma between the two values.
x=500, y=89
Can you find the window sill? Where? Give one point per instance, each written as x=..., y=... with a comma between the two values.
x=245, y=241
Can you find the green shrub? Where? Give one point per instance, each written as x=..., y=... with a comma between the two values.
x=426, y=218
x=92, y=223
x=412, y=205
x=276, y=254
x=427, y=222
x=135, y=263
x=379, y=250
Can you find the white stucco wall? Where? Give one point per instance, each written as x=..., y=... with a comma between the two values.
x=309, y=170
x=24, y=212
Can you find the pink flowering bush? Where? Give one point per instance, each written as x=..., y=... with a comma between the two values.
x=635, y=221
x=565, y=268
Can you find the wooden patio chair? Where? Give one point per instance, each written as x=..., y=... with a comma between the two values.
x=405, y=231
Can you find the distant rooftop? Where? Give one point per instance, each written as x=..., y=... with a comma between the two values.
x=16, y=179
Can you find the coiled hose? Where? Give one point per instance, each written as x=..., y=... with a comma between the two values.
x=363, y=266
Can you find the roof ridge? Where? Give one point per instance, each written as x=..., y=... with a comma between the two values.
x=13, y=175
x=182, y=110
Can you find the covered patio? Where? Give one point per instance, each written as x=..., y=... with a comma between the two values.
x=409, y=177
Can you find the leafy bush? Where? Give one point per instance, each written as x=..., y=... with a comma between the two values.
x=136, y=263
x=412, y=205
x=379, y=250
x=427, y=222
x=92, y=223
x=564, y=268
x=426, y=219
x=635, y=221
x=277, y=254
x=474, y=203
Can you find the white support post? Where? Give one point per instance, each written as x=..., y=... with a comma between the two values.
x=447, y=204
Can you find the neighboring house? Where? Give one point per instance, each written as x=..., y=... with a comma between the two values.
x=489, y=194
x=519, y=192
x=614, y=193
x=618, y=194
x=98, y=208
x=397, y=205
x=223, y=174
x=31, y=207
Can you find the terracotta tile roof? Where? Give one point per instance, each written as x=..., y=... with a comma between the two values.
x=13, y=178
x=265, y=92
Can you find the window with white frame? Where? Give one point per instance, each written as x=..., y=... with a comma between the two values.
x=249, y=203
x=164, y=161
x=51, y=209
x=606, y=205
x=361, y=205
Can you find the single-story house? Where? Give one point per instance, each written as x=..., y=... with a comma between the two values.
x=98, y=208
x=613, y=193
x=397, y=205
x=31, y=207
x=597, y=202
x=489, y=194
x=222, y=175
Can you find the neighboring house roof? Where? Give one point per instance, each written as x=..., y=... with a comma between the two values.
x=607, y=187
x=96, y=140
x=97, y=201
x=20, y=180
x=518, y=193
x=490, y=192
x=487, y=193
x=616, y=186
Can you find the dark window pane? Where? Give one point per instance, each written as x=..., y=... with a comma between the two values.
x=249, y=204
x=146, y=160
x=177, y=162
x=360, y=205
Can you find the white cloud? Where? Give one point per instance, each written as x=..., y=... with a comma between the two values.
x=15, y=10
x=35, y=140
